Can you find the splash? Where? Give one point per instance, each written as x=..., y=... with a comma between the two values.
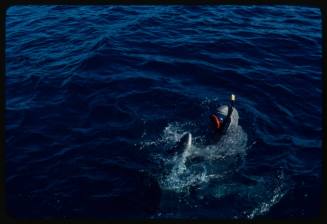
x=209, y=169
x=215, y=159
x=271, y=194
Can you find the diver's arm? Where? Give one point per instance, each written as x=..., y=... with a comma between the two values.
x=228, y=118
x=231, y=106
x=229, y=114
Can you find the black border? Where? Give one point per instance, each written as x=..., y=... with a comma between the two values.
x=5, y=4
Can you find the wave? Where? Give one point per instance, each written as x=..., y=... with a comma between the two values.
x=92, y=91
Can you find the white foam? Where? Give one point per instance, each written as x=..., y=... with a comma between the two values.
x=270, y=195
x=217, y=163
x=182, y=176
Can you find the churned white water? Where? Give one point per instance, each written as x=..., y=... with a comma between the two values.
x=213, y=157
x=210, y=168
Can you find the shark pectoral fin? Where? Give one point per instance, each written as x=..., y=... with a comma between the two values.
x=186, y=141
x=183, y=144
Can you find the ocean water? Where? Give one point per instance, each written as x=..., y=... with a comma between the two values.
x=97, y=95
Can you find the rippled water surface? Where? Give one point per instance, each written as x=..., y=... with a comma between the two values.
x=97, y=95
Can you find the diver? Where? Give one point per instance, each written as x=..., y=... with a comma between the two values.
x=222, y=119
x=221, y=122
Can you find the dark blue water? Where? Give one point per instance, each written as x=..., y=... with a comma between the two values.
x=95, y=96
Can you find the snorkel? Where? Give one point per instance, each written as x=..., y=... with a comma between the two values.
x=232, y=99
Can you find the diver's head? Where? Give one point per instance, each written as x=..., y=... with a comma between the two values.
x=219, y=118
